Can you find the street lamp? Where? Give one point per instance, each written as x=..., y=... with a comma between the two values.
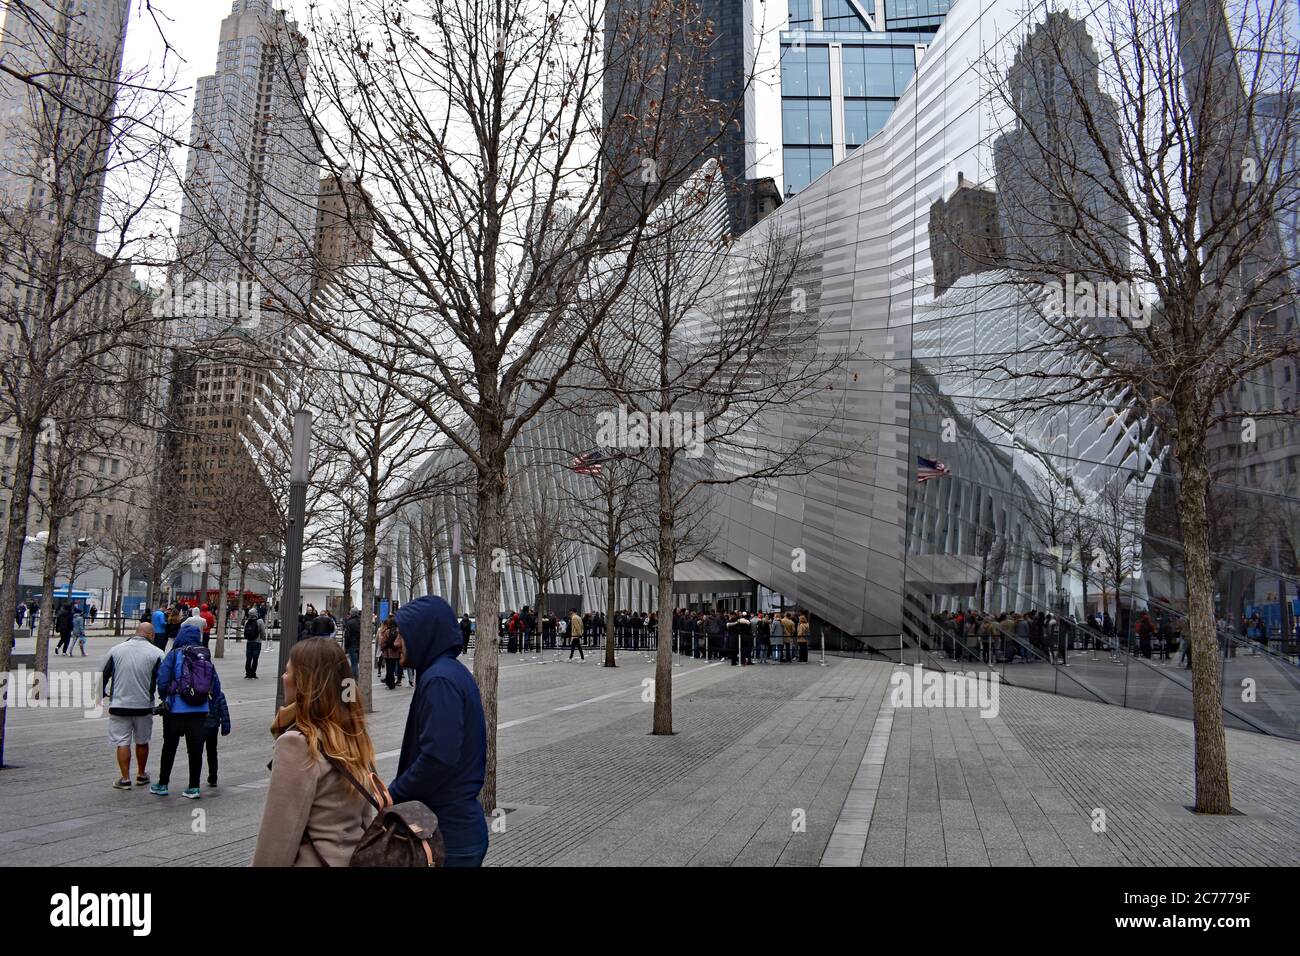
x=289, y=596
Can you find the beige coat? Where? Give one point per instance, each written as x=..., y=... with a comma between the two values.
x=308, y=797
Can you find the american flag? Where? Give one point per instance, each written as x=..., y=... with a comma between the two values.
x=587, y=464
x=927, y=468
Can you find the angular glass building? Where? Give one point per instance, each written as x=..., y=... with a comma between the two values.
x=950, y=500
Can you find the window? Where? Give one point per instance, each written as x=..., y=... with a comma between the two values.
x=840, y=15
x=806, y=122
x=805, y=72
x=803, y=164
x=864, y=119
x=801, y=15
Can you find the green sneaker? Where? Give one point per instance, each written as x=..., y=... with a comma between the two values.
x=158, y=789
x=191, y=794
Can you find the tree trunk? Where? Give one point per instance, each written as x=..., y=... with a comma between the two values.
x=347, y=586
x=223, y=585
x=663, y=713
x=1212, y=791
x=365, y=652
x=611, y=596
x=611, y=568
x=48, y=573
x=115, y=602
x=491, y=485
x=15, y=538
x=243, y=580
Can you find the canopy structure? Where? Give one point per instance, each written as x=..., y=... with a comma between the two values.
x=700, y=576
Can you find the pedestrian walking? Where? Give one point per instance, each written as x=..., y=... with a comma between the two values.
x=63, y=623
x=444, y=747
x=391, y=655
x=575, y=634
x=130, y=678
x=79, y=628
x=352, y=641
x=254, y=634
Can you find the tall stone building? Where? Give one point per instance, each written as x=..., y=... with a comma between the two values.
x=58, y=124
x=251, y=181
x=344, y=229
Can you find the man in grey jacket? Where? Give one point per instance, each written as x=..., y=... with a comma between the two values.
x=130, y=679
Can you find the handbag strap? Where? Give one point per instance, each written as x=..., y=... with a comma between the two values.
x=360, y=789
x=370, y=797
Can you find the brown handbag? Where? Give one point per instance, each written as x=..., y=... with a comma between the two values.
x=405, y=834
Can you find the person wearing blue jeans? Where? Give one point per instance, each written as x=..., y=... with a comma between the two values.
x=443, y=759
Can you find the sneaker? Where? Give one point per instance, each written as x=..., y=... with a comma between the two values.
x=190, y=794
x=158, y=789
x=123, y=784
x=141, y=779
x=212, y=784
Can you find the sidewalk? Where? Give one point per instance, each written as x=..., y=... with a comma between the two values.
x=771, y=765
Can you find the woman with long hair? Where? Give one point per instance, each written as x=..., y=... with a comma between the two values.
x=314, y=815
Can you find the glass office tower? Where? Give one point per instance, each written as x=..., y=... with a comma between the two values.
x=843, y=68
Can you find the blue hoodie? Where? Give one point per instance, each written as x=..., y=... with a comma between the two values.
x=190, y=634
x=159, y=623
x=444, y=747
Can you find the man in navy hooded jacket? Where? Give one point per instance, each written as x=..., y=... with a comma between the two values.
x=444, y=746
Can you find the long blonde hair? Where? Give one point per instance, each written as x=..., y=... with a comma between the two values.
x=329, y=710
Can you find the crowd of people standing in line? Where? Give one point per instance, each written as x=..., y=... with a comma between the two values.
x=1008, y=637
x=741, y=636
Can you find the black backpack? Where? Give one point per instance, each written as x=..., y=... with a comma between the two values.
x=250, y=629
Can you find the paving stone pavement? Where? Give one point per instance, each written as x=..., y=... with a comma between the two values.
x=768, y=762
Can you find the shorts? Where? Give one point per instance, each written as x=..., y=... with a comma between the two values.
x=121, y=729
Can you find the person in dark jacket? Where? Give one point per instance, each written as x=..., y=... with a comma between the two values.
x=444, y=747
x=466, y=628
x=217, y=721
x=64, y=624
x=352, y=641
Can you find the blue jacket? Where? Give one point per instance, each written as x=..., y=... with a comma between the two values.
x=160, y=623
x=218, y=713
x=444, y=747
x=191, y=633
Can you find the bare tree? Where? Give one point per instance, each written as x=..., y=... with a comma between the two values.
x=379, y=437
x=610, y=512
x=707, y=346
x=85, y=172
x=1142, y=170
x=539, y=526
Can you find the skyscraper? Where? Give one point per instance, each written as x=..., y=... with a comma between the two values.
x=72, y=52
x=252, y=179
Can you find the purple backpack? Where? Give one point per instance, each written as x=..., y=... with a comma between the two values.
x=197, y=675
